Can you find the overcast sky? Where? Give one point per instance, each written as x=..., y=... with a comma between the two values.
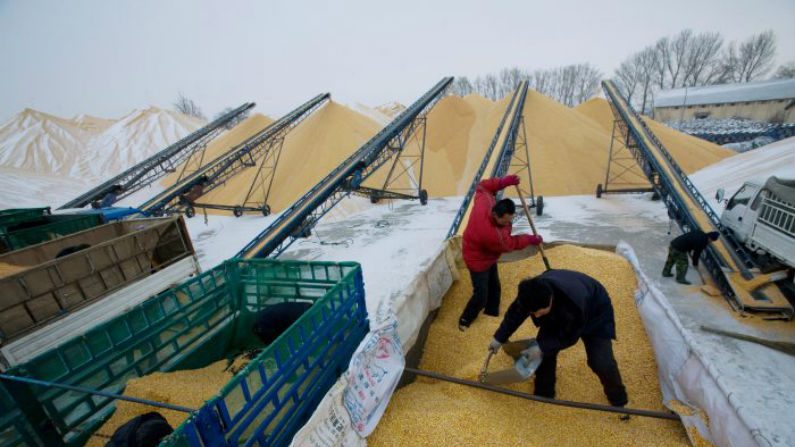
x=106, y=57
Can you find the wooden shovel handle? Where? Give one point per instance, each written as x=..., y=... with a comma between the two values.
x=533, y=227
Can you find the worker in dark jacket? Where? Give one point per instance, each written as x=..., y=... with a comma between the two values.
x=111, y=197
x=694, y=241
x=486, y=237
x=566, y=306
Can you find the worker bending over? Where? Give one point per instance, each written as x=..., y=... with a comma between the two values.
x=695, y=241
x=566, y=306
x=486, y=237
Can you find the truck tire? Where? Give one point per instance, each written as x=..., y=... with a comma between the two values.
x=237, y=211
x=190, y=211
x=599, y=191
x=266, y=210
x=539, y=205
x=423, y=196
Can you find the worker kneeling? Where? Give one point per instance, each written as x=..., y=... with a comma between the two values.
x=566, y=305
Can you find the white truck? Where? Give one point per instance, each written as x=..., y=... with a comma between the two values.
x=761, y=215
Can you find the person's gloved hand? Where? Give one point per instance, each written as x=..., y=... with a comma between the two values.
x=535, y=239
x=494, y=346
x=510, y=180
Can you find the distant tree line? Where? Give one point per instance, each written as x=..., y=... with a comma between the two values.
x=687, y=59
x=690, y=60
x=570, y=84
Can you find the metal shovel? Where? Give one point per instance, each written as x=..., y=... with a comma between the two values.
x=527, y=361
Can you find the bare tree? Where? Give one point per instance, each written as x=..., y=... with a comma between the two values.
x=490, y=87
x=786, y=71
x=678, y=50
x=702, y=59
x=188, y=106
x=509, y=80
x=662, y=53
x=570, y=85
x=647, y=62
x=543, y=82
x=638, y=75
x=753, y=58
x=586, y=82
x=628, y=77
x=462, y=86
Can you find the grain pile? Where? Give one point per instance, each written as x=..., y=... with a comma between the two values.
x=220, y=145
x=310, y=152
x=458, y=135
x=188, y=388
x=691, y=153
x=598, y=109
x=568, y=151
x=7, y=269
x=430, y=412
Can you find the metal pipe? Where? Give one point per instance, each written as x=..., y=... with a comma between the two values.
x=546, y=400
x=81, y=389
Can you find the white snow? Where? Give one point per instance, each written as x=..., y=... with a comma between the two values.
x=20, y=188
x=88, y=148
x=730, y=173
x=724, y=93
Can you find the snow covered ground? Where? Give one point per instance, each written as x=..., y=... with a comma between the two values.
x=730, y=173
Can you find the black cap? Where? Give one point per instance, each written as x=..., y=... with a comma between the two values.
x=534, y=294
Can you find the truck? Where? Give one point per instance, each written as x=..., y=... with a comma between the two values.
x=63, y=287
x=761, y=216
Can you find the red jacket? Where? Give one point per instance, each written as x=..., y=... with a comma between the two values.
x=484, y=241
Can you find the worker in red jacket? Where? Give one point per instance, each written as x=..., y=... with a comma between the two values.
x=486, y=237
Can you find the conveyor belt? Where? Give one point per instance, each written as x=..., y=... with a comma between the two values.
x=162, y=163
x=308, y=209
x=726, y=259
x=496, y=163
x=236, y=158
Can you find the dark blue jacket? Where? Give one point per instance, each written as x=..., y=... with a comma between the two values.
x=581, y=307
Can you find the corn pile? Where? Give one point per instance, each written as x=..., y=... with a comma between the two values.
x=430, y=412
x=10, y=269
x=188, y=388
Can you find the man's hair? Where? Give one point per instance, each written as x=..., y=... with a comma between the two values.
x=713, y=235
x=503, y=207
x=534, y=294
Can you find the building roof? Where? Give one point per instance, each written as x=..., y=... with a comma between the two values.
x=725, y=93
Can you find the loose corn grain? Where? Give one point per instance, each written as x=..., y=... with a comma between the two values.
x=188, y=388
x=434, y=413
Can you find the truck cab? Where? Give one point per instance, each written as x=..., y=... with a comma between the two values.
x=739, y=214
x=761, y=216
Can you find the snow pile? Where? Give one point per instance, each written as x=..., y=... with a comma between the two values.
x=132, y=139
x=774, y=159
x=725, y=93
x=43, y=143
x=86, y=147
